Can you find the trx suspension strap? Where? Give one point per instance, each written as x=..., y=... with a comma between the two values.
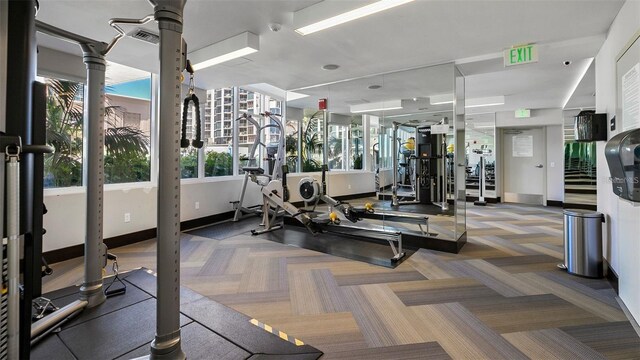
x=191, y=97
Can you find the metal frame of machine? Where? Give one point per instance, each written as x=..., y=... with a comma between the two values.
x=273, y=161
x=420, y=167
x=169, y=15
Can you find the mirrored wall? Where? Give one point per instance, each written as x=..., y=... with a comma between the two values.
x=395, y=140
x=480, y=146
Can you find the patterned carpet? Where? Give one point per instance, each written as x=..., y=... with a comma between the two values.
x=501, y=297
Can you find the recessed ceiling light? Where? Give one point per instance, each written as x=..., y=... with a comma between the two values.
x=330, y=67
x=374, y=87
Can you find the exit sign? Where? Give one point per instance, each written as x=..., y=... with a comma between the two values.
x=522, y=54
x=523, y=113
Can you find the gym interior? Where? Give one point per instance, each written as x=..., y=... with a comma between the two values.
x=320, y=179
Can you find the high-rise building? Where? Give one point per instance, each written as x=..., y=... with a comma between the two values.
x=218, y=115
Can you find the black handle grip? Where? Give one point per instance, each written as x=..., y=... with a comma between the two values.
x=37, y=149
x=197, y=142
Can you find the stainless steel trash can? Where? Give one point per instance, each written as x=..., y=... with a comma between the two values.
x=583, y=242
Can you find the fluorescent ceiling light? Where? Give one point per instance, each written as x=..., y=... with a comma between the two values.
x=295, y=96
x=441, y=99
x=416, y=114
x=575, y=87
x=378, y=106
x=347, y=16
x=487, y=101
x=225, y=50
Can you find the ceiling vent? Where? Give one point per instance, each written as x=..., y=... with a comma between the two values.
x=145, y=35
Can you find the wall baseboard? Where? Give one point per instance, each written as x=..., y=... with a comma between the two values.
x=580, y=206
x=629, y=316
x=554, y=203
x=611, y=276
x=75, y=251
x=487, y=199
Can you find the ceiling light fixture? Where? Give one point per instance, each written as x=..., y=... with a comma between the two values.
x=487, y=101
x=587, y=65
x=291, y=96
x=415, y=114
x=441, y=99
x=344, y=17
x=378, y=106
x=225, y=50
x=374, y=87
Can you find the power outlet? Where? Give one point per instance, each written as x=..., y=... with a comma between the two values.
x=197, y=205
x=349, y=186
x=127, y=217
x=553, y=164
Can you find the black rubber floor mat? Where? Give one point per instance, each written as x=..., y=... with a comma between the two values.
x=228, y=229
x=199, y=342
x=114, y=334
x=124, y=326
x=51, y=348
x=337, y=245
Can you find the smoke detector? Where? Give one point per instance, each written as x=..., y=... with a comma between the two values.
x=275, y=27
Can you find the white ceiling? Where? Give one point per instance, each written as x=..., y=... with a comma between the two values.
x=415, y=34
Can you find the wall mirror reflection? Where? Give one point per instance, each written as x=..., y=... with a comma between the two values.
x=393, y=135
x=580, y=180
x=480, y=147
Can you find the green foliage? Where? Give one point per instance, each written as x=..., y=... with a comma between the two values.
x=189, y=165
x=126, y=148
x=218, y=164
x=126, y=167
x=64, y=133
x=310, y=165
x=357, y=162
x=311, y=145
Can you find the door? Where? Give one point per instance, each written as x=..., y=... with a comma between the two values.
x=523, y=171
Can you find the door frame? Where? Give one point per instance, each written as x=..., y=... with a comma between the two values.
x=501, y=169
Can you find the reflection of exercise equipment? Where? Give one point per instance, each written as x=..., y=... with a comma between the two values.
x=273, y=161
x=482, y=185
x=430, y=179
x=342, y=217
x=376, y=157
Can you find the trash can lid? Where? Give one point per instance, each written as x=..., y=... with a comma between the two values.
x=582, y=213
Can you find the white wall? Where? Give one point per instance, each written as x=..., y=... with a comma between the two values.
x=622, y=242
x=555, y=163
x=65, y=220
x=551, y=120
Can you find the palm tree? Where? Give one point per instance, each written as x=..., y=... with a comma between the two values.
x=64, y=132
x=311, y=144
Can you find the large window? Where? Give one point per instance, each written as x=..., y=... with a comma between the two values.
x=291, y=146
x=127, y=131
x=356, y=133
x=64, y=132
x=312, y=140
x=338, y=140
